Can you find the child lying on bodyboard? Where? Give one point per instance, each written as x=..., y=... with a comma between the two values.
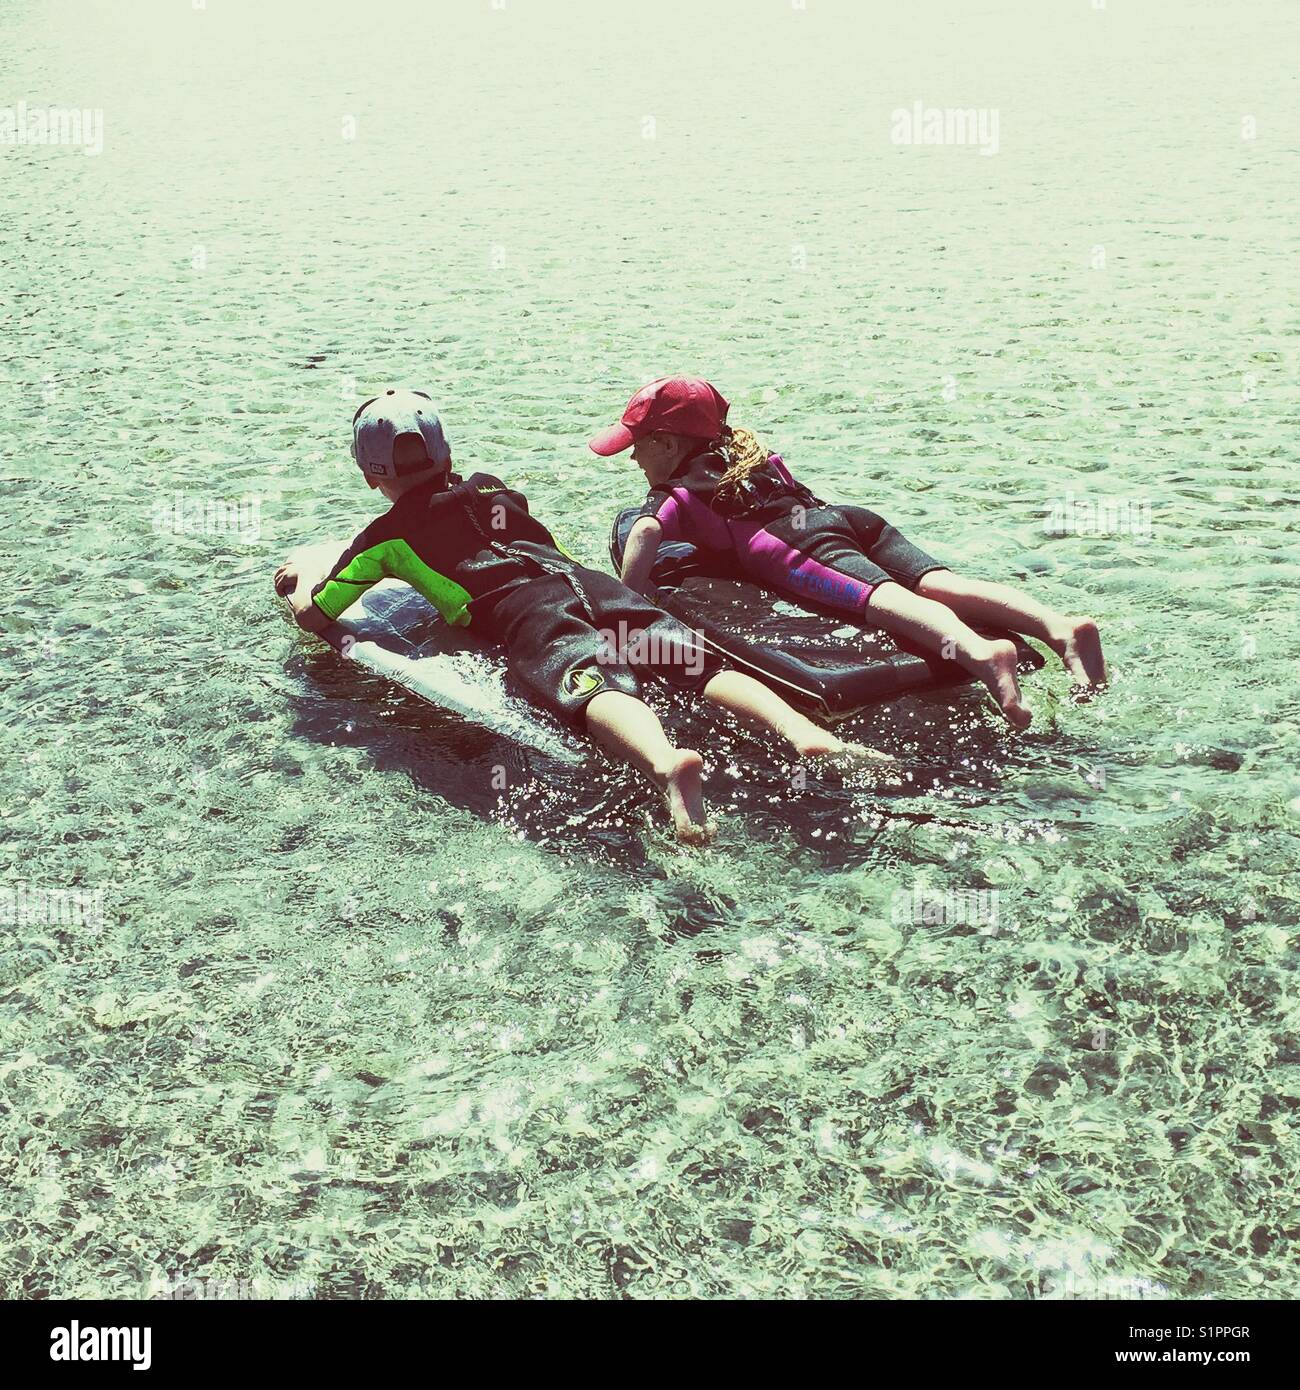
x=719, y=490
x=578, y=641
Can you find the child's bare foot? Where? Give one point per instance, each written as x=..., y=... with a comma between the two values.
x=810, y=740
x=995, y=665
x=685, y=796
x=1078, y=644
x=819, y=745
x=855, y=759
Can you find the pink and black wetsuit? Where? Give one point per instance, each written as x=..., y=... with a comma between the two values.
x=780, y=536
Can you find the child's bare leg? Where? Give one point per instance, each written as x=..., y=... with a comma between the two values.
x=1074, y=640
x=760, y=708
x=938, y=628
x=630, y=730
x=754, y=704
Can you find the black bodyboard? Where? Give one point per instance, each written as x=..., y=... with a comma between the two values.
x=818, y=658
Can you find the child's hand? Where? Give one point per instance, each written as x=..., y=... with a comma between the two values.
x=288, y=584
x=286, y=579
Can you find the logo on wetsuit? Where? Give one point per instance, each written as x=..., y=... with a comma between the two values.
x=583, y=682
x=826, y=586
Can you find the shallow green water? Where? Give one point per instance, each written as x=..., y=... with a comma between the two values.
x=356, y=1023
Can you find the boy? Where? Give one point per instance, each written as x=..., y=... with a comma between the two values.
x=576, y=639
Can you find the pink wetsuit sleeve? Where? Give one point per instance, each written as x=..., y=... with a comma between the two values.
x=663, y=507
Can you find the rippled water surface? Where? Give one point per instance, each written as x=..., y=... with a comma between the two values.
x=357, y=1020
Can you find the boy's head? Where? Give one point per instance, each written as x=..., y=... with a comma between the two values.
x=398, y=440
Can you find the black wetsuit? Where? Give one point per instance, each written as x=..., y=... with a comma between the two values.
x=783, y=537
x=473, y=550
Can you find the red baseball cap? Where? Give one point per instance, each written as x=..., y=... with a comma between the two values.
x=675, y=404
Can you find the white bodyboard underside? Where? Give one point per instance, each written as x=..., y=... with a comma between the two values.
x=398, y=634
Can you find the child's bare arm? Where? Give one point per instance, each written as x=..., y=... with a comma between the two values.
x=639, y=553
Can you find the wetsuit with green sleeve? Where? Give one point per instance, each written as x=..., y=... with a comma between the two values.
x=472, y=548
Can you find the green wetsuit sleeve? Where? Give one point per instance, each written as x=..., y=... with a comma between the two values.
x=351, y=575
x=374, y=556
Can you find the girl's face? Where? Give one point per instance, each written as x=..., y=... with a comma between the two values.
x=657, y=456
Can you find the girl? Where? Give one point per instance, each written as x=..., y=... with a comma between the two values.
x=718, y=489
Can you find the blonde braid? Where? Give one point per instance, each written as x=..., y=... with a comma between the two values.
x=742, y=453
